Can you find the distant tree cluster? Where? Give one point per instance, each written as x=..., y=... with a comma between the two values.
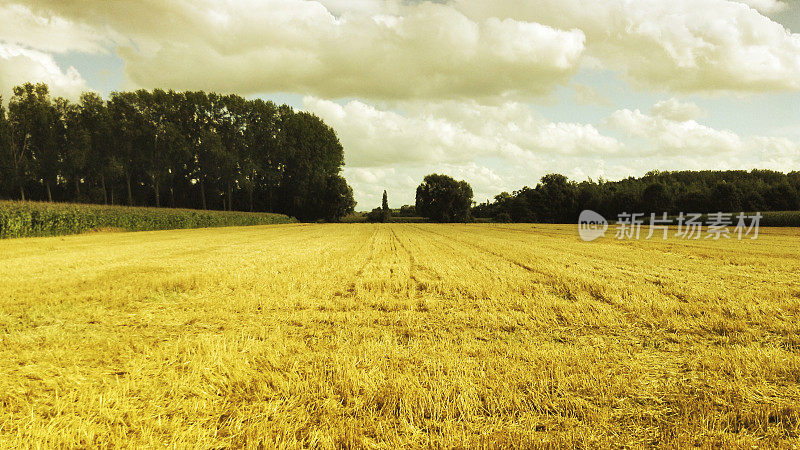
x=557, y=200
x=407, y=211
x=440, y=198
x=382, y=214
x=177, y=149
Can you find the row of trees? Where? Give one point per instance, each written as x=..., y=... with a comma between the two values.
x=558, y=200
x=166, y=148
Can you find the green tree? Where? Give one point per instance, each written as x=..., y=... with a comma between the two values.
x=198, y=148
x=408, y=211
x=127, y=128
x=163, y=143
x=375, y=215
x=96, y=122
x=76, y=145
x=655, y=199
x=228, y=112
x=440, y=198
x=726, y=197
x=794, y=181
x=260, y=168
x=386, y=213
x=193, y=121
x=782, y=197
x=556, y=197
x=6, y=169
x=339, y=200
x=34, y=124
x=312, y=153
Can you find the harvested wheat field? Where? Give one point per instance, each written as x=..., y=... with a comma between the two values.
x=394, y=335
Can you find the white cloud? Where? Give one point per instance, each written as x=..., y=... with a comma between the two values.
x=768, y=7
x=371, y=7
x=19, y=65
x=388, y=50
x=670, y=137
x=681, y=45
x=444, y=86
x=454, y=132
x=667, y=138
x=375, y=138
x=506, y=146
x=392, y=49
x=493, y=147
x=24, y=27
x=674, y=109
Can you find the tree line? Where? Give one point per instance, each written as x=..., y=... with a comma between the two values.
x=165, y=148
x=556, y=199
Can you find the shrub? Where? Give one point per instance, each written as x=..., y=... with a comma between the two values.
x=376, y=215
x=503, y=218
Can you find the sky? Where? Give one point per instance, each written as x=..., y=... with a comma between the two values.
x=494, y=92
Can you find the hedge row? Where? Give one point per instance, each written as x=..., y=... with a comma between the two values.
x=780, y=219
x=23, y=219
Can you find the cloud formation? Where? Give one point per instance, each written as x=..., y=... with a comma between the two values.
x=454, y=132
x=23, y=27
x=768, y=7
x=431, y=51
x=19, y=65
x=670, y=132
x=674, y=109
x=507, y=146
x=392, y=49
x=385, y=50
x=493, y=147
x=681, y=45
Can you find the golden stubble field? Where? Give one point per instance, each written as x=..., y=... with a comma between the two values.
x=398, y=335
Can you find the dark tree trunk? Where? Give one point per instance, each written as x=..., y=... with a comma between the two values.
x=17, y=164
x=172, y=196
x=230, y=197
x=252, y=188
x=203, y=193
x=128, y=183
x=112, y=195
x=103, y=185
x=77, y=188
x=49, y=194
x=155, y=191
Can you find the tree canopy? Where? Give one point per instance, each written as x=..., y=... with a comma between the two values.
x=440, y=198
x=167, y=148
